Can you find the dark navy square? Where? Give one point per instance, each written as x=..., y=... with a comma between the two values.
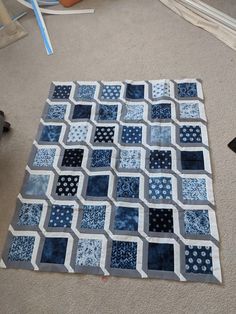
x=61, y=92
x=107, y=112
x=61, y=216
x=134, y=91
x=82, y=112
x=198, y=259
x=126, y=218
x=127, y=187
x=160, y=159
x=123, y=255
x=186, y=90
x=104, y=134
x=132, y=134
x=54, y=250
x=67, y=185
x=192, y=160
x=161, y=111
x=97, y=186
x=72, y=157
x=161, y=256
x=50, y=133
x=101, y=158
x=160, y=220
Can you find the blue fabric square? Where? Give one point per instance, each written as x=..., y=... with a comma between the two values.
x=161, y=111
x=189, y=110
x=50, y=133
x=134, y=91
x=93, y=217
x=67, y=185
x=161, y=220
x=101, y=158
x=192, y=160
x=107, y=112
x=72, y=157
x=198, y=259
x=160, y=135
x=61, y=92
x=44, y=157
x=130, y=159
x=190, y=134
x=160, y=159
x=89, y=252
x=194, y=189
x=196, y=222
x=127, y=187
x=29, y=214
x=54, y=250
x=56, y=112
x=123, y=255
x=21, y=248
x=36, y=184
x=134, y=112
x=85, y=92
x=161, y=256
x=111, y=92
x=61, y=216
x=97, y=186
x=82, y=112
x=160, y=188
x=186, y=90
x=104, y=134
x=132, y=134
x=126, y=218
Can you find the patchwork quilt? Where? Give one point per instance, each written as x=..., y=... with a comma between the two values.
x=119, y=183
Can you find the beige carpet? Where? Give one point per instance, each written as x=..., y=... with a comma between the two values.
x=136, y=39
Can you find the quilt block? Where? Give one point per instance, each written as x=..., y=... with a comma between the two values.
x=119, y=182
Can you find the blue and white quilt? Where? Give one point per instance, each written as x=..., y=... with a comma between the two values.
x=119, y=183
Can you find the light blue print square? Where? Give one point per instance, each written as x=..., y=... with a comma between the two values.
x=160, y=134
x=36, y=185
x=29, y=214
x=134, y=112
x=194, y=189
x=88, y=252
x=130, y=159
x=44, y=157
x=196, y=222
x=189, y=110
x=85, y=92
x=21, y=248
x=56, y=112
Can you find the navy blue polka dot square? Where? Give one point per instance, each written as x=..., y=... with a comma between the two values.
x=72, y=157
x=131, y=134
x=54, y=250
x=104, y=134
x=82, y=112
x=50, y=133
x=161, y=256
x=101, y=158
x=160, y=220
x=187, y=90
x=93, y=217
x=61, y=92
x=190, y=134
x=160, y=159
x=192, y=160
x=67, y=185
x=97, y=186
x=61, y=216
x=198, y=259
x=126, y=218
x=134, y=91
x=127, y=187
x=111, y=92
x=123, y=255
x=161, y=111
x=107, y=112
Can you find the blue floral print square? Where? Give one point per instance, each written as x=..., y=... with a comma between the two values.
x=198, y=259
x=127, y=187
x=189, y=111
x=160, y=188
x=190, y=134
x=161, y=111
x=89, y=252
x=44, y=157
x=123, y=255
x=194, y=189
x=196, y=222
x=97, y=186
x=110, y=92
x=130, y=159
x=29, y=214
x=131, y=134
x=187, y=90
x=160, y=135
x=93, y=217
x=101, y=158
x=61, y=216
x=134, y=112
x=85, y=92
x=50, y=133
x=21, y=248
x=54, y=250
x=107, y=112
x=126, y=218
x=61, y=92
x=134, y=91
x=161, y=256
x=56, y=112
x=36, y=184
